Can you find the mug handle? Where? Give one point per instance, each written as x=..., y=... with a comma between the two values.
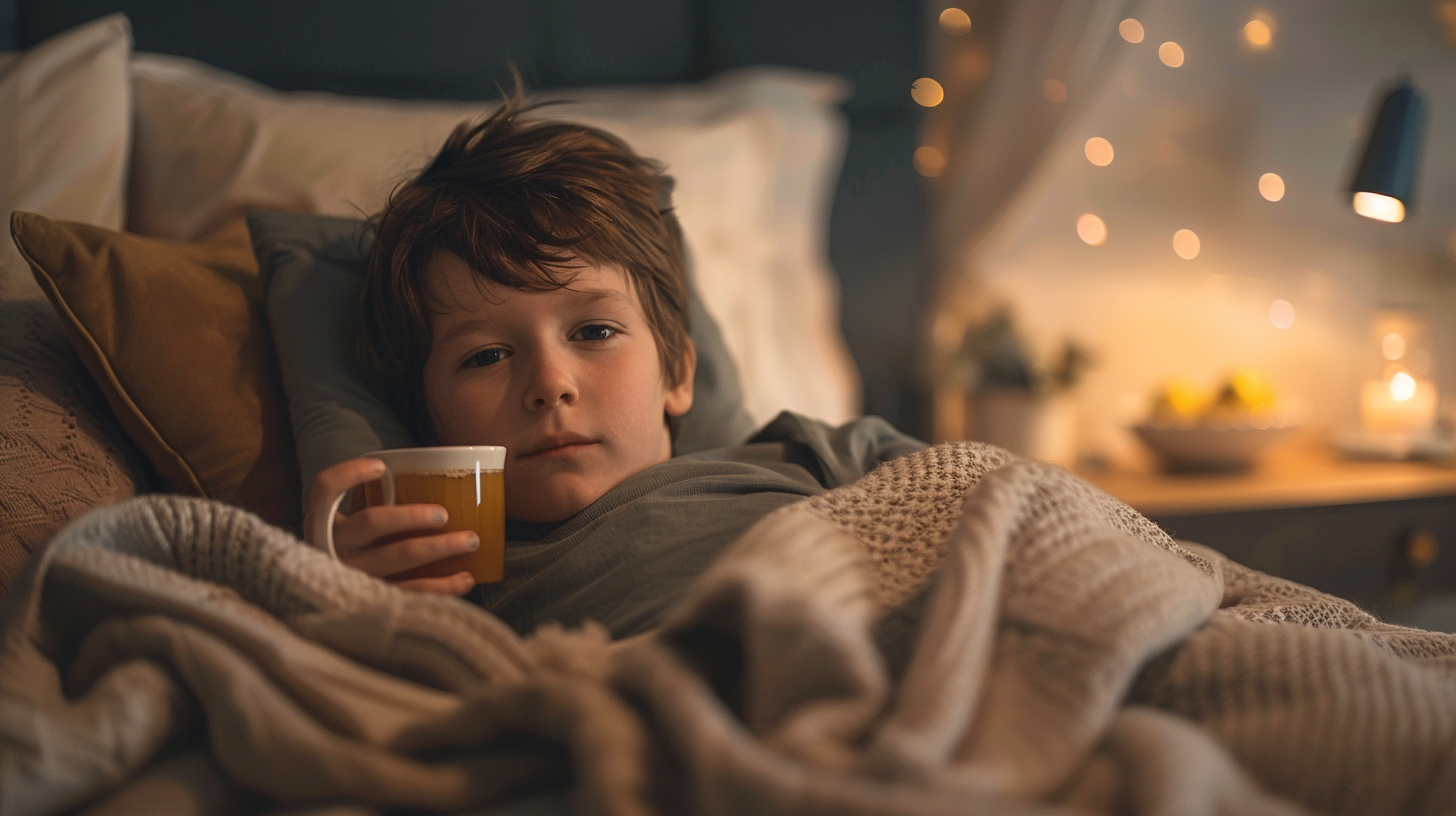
x=323, y=531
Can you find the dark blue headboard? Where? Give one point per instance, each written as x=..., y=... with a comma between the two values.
x=459, y=49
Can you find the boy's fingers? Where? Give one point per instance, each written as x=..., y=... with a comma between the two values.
x=369, y=525
x=345, y=476
x=457, y=584
x=334, y=481
x=391, y=559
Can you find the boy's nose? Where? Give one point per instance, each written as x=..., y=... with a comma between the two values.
x=542, y=402
x=552, y=386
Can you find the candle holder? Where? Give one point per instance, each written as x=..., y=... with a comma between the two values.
x=1398, y=400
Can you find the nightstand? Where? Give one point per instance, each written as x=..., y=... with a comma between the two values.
x=1382, y=534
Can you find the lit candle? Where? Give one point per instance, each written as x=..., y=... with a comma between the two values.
x=1401, y=404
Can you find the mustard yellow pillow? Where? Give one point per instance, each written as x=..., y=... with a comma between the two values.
x=174, y=333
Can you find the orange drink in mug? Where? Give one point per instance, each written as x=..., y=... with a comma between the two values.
x=468, y=481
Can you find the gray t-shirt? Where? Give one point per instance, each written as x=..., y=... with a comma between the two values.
x=629, y=555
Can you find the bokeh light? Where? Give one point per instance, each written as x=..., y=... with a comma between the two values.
x=1281, y=314
x=1099, y=151
x=1271, y=186
x=1402, y=386
x=927, y=92
x=1054, y=90
x=1392, y=346
x=1258, y=33
x=955, y=21
x=1186, y=244
x=1091, y=229
x=1131, y=30
x=1171, y=54
x=929, y=161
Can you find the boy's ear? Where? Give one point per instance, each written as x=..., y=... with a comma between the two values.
x=680, y=396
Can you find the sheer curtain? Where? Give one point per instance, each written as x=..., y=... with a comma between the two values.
x=1011, y=84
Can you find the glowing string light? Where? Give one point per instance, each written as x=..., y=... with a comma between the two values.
x=1281, y=314
x=927, y=92
x=1271, y=186
x=1099, y=151
x=1091, y=229
x=1186, y=244
x=1258, y=33
x=929, y=161
x=1171, y=54
x=955, y=21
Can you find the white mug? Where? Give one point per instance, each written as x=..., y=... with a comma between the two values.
x=468, y=480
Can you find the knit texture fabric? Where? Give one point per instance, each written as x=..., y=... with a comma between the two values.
x=958, y=631
x=61, y=451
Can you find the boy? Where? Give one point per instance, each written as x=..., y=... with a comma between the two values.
x=529, y=289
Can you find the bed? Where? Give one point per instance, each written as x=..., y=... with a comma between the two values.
x=871, y=210
x=837, y=152
x=959, y=628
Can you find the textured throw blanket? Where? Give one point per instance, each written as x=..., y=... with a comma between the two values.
x=959, y=631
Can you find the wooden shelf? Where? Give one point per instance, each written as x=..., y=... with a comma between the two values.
x=1305, y=472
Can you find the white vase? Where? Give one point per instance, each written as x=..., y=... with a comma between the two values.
x=1041, y=426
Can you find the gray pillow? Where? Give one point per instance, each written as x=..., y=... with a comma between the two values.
x=313, y=268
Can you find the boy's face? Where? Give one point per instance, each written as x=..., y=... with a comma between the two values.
x=567, y=380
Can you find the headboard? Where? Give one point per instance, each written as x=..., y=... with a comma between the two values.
x=459, y=49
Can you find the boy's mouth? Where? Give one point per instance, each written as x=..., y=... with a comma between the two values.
x=559, y=445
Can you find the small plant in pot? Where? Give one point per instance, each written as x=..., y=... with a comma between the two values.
x=1015, y=400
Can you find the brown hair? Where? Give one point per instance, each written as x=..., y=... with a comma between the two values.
x=520, y=202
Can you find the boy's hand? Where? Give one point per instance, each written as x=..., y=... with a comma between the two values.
x=388, y=540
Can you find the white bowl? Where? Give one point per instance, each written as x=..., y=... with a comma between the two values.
x=1210, y=447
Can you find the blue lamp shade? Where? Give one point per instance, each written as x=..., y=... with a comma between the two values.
x=1384, y=186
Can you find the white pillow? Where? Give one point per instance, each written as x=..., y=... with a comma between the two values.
x=754, y=155
x=781, y=317
x=65, y=118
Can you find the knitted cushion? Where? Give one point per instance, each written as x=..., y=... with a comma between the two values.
x=61, y=451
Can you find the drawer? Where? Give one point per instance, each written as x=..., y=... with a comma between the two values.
x=1384, y=556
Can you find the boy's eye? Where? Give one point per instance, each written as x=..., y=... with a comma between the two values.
x=595, y=332
x=487, y=357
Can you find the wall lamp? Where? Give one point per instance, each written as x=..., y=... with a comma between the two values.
x=1384, y=184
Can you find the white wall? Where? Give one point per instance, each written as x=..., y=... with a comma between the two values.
x=1191, y=143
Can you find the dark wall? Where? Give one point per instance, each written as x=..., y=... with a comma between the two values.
x=458, y=49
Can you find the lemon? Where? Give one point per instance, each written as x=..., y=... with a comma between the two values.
x=1244, y=396
x=1180, y=401
x=1249, y=390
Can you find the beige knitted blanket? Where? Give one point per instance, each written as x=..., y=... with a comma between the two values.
x=960, y=631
